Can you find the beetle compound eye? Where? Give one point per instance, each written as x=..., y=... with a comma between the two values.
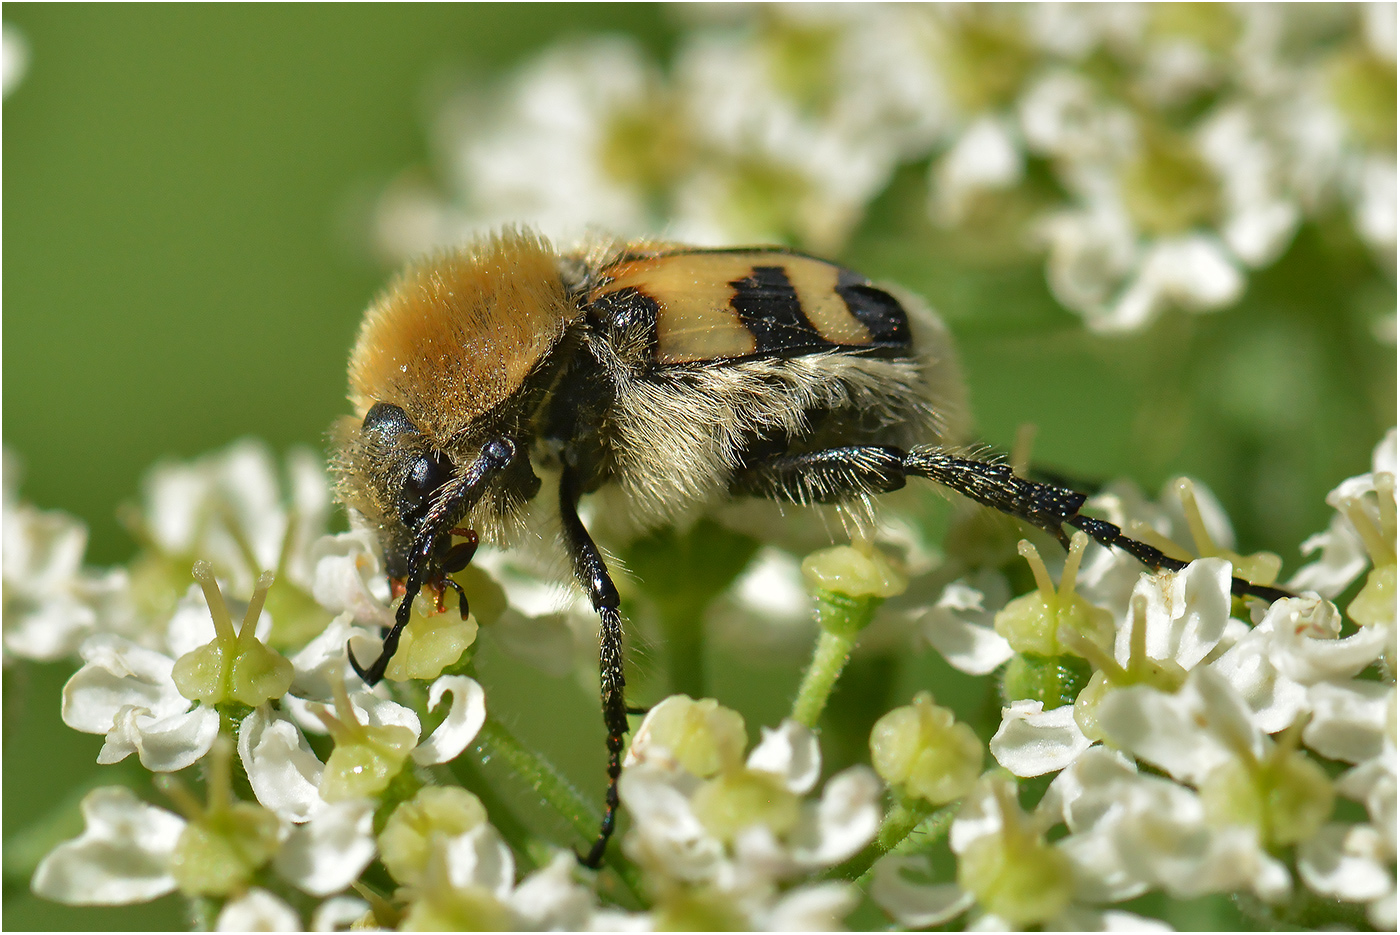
x=424, y=478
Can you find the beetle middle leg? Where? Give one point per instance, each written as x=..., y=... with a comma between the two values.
x=592, y=573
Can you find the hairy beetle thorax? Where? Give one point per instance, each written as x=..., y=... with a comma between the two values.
x=456, y=335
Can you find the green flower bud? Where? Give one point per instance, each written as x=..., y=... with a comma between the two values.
x=456, y=909
x=1022, y=879
x=366, y=758
x=1375, y=603
x=924, y=749
x=741, y=798
x=844, y=569
x=686, y=910
x=704, y=737
x=1052, y=680
x=1033, y=622
x=1287, y=796
x=1086, y=706
x=1168, y=188
x=225, y=842
x=1363, y=87
x=429, y=644
x=850, y=584
x=404, y=842
x=1013, y=872
x=232, y=666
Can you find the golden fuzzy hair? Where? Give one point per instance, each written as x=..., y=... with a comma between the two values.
x=454, y=335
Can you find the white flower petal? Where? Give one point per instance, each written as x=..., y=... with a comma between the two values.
x=1349, y=719
x=258, y=911
x=665, y=832
x=1033, y=742
x=1343, y=558
x=1100, y=873
x=121, y=857
x=118, y=674
x=1274, y=700
x=843, y=822
x=329, y=852
x=347, y=578
x=980, y=814
x=459, y=728
x=1373, y=784
x=480, y=858
x=551, y=900
x=283, y=771
x=164, y=745
x=1306, y=660
x=1166, y=730
x=1187, y=612
x=339, y=914
x=820, y=907
x=961, y=630
x=381, y=712
x=790, y=752
x=1089, y=788
x=913, y=904
x=1347, y=862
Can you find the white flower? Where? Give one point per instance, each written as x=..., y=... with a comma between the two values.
x=959, y=625
x=48, y=598
x=1131, y=833
x=708, y=829
x=1051, y=884
x=470, y=878
x=987, y=157
x=127, y=693
x=1350, y=862
x=257, y=911
x=1295, y=646
x=126, y=853
x=534, y=151
x=1032, y=742
x=288, y=778
x=1188, y=734
x=120, y=858
x=228, y=509
x=47, y=611
x=347, y=577
x=1192, y=272
x=1260, y=217
x=329, y=852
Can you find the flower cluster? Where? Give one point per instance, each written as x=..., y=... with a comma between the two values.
x=1155, y=153
x=1195, y=743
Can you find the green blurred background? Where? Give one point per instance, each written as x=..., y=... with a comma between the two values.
x=187, y=194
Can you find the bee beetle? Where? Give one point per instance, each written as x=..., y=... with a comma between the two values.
x=666, y=377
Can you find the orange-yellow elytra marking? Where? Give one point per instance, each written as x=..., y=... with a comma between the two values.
x=696, y=318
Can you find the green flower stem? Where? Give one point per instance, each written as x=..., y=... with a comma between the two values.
x=495, y=742
x=898, y=833
x=841, y=618
x=828, y=661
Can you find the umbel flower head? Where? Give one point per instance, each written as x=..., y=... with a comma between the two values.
x=1091, y=745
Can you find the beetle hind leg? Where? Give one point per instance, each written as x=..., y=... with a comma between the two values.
x=836, y=474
